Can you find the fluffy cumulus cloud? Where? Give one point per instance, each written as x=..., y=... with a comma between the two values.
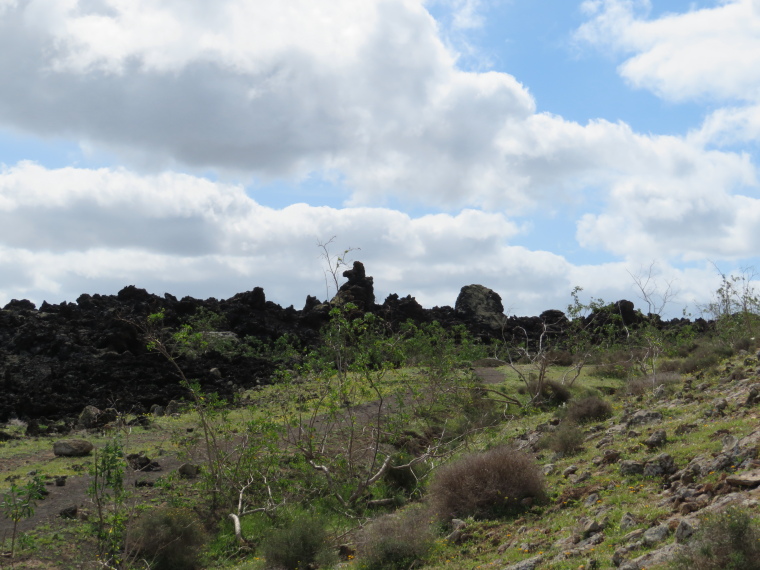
x=364, y=90
x=709, y=52
x=276, y=89
x=369, y=94
x=67, y=231
x=188, y=236
x=703, y=203
x=712, y=53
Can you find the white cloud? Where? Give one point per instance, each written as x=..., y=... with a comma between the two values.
x=363, y=90
x=729, y=126
x=710, y=52
x=98, y=230
x=366, y=92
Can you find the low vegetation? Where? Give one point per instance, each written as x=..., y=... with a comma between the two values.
x=380, y=447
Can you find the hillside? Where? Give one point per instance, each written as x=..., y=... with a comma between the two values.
x=377, y=442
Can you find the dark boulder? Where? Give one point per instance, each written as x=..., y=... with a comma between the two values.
x=359, y=289
x=481, y=305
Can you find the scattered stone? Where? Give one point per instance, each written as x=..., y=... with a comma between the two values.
x=188, y=470
x=606, y=440
x=720, y=462
x=644, y=417
x=72, y=448
x=753, y=397
x=591, y=526
x=60, y=480
x=730, y=444
x=68, y=512
x=619, y=556
x=685, y=428
x=634, y=535
x=591, y=500
x=548, y=469
x=529, y=564
x=628, y=521
x=746, y=479
x=585, y=476
x=610, y=456
x=663, y=464
x=481, y=304
x=458, y=527
x=172, y=408
x=89, y=417
x=630, y=467
x=569, y=471
x=654, y=558
x=157, y=411
x=139, y=462
x=656, y=534
x=684, y=530
x=657, y=439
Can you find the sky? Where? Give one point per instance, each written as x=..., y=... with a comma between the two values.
x=532, y=146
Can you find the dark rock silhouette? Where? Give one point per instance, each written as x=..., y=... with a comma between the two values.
x=481, y=305
x=359, y=289
x=58, y=359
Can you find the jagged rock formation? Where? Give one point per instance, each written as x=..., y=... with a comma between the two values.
x=58, y=359
x=482, y=305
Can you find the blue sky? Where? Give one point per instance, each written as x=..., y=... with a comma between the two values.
x=531, y=146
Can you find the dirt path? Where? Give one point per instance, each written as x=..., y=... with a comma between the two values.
x=74, y=492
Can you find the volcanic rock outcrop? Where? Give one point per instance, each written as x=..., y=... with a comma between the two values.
x=58, y=359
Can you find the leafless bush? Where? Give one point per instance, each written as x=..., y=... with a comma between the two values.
x=168, y=538
x=643, y=384
x=560, y=358
x=589, y=409
x=494, y=482
x=669, y=366
x=397, y=541
x=567, y=439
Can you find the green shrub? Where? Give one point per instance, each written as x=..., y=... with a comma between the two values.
x=618, y=363
x=406, y=479
x=643, y=384
x=729, y=540
x=301, y=543
x=744, y=343
x=706, y=356
x=491, y=483
x=560, y=357
x=566, y=440
x=396, y=541
x=669, y=366
x=589, y=409
x=168, y=538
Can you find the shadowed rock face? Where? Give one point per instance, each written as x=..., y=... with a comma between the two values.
x=481, y=305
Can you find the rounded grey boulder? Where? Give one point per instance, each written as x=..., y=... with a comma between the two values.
x=72, y=448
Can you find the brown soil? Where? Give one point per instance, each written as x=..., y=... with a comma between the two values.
x=74, y=492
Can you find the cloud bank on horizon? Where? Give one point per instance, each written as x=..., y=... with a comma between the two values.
x=205, y=148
